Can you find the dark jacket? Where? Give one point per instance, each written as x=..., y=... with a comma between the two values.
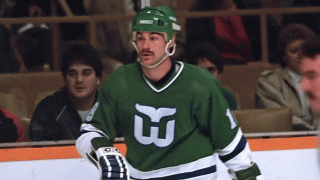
x=55, y=118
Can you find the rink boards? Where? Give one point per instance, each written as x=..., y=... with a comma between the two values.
x=287, y=158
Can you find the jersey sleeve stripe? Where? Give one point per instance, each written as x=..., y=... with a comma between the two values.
x=84, y=132
x=87, y=128
x=240, y=147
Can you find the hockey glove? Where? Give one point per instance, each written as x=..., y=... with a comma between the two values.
x=251, y=173
x=111, y=163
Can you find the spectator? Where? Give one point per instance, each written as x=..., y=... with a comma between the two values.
x=311, y=19
x=10, y=127
x=207, y=56
x=32, y=48
x=172, y=115
x=59, y=116
x=237, y=37
x=280, y=87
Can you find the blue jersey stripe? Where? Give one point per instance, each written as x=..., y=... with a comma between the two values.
x=240, y=147
x=200, y=172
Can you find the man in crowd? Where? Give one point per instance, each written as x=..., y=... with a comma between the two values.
x=60, y=115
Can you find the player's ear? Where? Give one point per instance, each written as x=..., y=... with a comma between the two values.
x=173, y=41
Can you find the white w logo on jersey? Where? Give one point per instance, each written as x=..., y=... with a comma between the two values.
x=155, y=116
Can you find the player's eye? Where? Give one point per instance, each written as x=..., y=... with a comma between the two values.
x=153, y=38
x=140, y=38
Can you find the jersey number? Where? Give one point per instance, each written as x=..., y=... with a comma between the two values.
x=155, y=117
x=231, y=119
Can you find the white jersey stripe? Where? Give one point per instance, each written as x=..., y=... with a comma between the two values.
x=201, y=164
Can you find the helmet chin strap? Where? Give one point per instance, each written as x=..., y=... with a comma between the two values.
x=162, y=59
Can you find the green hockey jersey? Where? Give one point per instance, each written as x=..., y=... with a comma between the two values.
x=172, y=130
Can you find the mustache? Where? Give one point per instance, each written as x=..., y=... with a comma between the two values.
x=146, y=51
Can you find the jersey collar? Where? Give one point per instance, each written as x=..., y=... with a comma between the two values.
x=178, y=69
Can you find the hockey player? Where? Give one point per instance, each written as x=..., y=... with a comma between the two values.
x=172, y=115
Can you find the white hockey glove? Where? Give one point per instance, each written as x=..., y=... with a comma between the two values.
x=111, y=163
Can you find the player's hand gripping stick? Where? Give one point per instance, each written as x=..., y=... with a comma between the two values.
x=112, y=164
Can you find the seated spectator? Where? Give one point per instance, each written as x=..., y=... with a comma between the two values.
x=10, y=127
x=237, y=37
x=280, y=87
x=59, y=116
x=207, y=56
x=32, y=48
x=309, y=19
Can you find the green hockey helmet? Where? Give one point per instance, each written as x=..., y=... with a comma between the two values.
x=156, y=19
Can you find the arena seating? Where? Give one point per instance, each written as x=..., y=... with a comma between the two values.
x=25, y=87
x=30, y=88
x=242, y=80
x=14, y=101
x=21, y=92
x=264, y=120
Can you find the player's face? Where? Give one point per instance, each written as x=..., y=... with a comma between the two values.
x=293, y=55
x=81, y=81
x=212, y=68
x=151, y=46
x=310, y=69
